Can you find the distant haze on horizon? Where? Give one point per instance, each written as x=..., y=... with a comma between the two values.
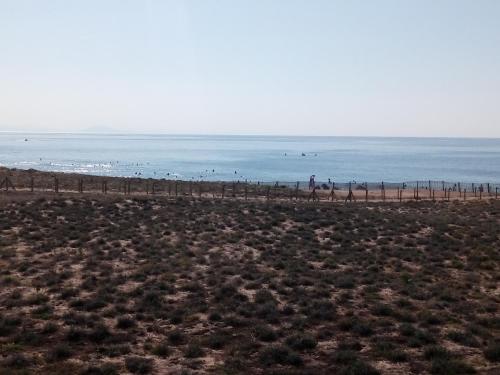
x=295, y=67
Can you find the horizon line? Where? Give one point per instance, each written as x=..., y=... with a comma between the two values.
x=116, y=133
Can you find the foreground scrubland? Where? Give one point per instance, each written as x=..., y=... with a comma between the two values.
x=116, y=285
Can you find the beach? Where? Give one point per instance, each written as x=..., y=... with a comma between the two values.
x=42, y=182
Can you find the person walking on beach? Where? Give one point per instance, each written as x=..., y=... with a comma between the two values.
x=312, y=184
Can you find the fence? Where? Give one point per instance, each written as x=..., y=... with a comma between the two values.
x=297, y=191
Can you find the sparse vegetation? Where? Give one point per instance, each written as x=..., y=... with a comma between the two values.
x=106, y=285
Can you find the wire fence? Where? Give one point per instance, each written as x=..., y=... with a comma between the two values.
x=420, y=184
x=35, y=181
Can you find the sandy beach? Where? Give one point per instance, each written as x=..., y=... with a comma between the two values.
x=57, y=182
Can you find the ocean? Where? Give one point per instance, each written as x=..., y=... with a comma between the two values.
x=256, y=158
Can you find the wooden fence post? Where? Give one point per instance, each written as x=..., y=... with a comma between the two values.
x=383, y=191
x=433, y=195
x=32, y=184
x=56, y=185
x=297, y=190
x=268, y=192
x=191, y=188
x=176, y=188
x=417, y=192
x=366, y=191
x=465, y=194
x=496, y=193
x=200, y=185
x=223, y=190
x=246, y=191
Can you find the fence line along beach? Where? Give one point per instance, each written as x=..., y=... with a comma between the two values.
x=33, y=181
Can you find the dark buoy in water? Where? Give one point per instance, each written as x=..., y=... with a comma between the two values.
x=303, y=154
x=25, y=139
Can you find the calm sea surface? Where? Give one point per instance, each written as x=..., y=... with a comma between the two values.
x=257, y=158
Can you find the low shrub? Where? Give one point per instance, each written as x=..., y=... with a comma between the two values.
x=193, y=350
x=265, y=333
x=176, y=338
x=125, y=322
x=301, y=342
x=447, y=366
x=58, y=353
x=277, y=354
x=492, y=352
x=139, y=365
x=161, y=350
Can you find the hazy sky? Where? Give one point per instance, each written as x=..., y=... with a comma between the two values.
x=401, y=68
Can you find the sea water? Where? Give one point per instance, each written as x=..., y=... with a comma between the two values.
x=256, y=158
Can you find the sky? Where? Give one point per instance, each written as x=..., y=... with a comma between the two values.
x=291, y=67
